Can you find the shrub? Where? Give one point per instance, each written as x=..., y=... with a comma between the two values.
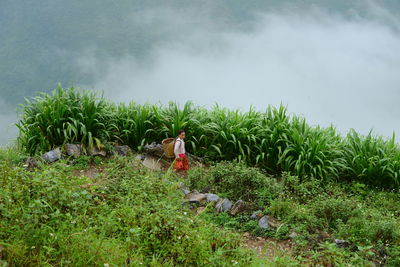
x=235, y=180
x=332, y=210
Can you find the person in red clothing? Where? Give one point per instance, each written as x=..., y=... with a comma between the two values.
x=181, y=161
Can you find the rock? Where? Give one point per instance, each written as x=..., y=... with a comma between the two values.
x=223, y=205
x=293, y=235
x=196, y=197
x=154, y=149
x=184, y=189
x=263, y=222
x=31, y=163
x=140, y=157
x=152, y=163
x=73, y=150
x=94, y=151
x=341, y=243
x=122, y=150
x=256, y=215
x=212, y=197
x=238, y=207
x=52, y=155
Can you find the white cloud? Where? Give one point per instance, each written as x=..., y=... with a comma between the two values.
x=326, y=67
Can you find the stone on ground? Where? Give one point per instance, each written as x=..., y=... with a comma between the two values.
x=223, y=205
x=239, y=207
x=123, y=150
x=152, y=163
x=73, y=150
x=212, y=197
x=52, y=155
x=196, y=197
x=94, y=151
x=263, y=223
x=154, y=149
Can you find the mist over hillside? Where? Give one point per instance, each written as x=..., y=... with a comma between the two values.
x=333, y=61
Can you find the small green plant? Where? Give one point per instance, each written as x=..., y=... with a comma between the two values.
x=83, y=162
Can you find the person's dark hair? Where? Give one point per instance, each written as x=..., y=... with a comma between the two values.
x=180, y=132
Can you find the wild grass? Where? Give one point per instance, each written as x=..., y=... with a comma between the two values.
x=271, y=140
x=311, y=214
x=128, y=216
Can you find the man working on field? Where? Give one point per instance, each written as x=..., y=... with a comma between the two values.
x=181, y=161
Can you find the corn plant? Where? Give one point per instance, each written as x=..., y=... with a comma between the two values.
x=133, y=124
x=312, y=151
x=271, y=140
x=50, y=120
x=372, y=159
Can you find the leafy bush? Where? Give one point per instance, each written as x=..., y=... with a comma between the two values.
x=332, y=210
x=235, y=180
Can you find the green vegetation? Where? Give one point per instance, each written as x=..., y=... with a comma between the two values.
x=101, y=211
x=125, y=216
x=271, y=140
x=312, y=214
x=316, y=184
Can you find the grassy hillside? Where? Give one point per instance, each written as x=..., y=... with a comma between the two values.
x=117, y=214
x=113, y=212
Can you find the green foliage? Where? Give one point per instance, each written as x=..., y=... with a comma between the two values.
x=372, y=160
x=12, y=155
x=334, y=210
x=271, y=140
x=65, y=116
x=83, y=162
x=329, y=254
x=129, y=217
x=235, y=181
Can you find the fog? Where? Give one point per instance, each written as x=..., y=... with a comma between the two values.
x=332, y=63
x=331, y=69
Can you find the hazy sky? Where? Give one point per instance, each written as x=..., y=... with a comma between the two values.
x=340, y=68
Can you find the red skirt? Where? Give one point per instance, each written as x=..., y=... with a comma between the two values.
x=181, y=163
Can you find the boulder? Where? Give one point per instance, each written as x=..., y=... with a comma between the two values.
x=212, y=197
x=73, y=150
x=239, y=207
x=195, y=197
x=263, y=223
x=94, y=151
x=223, y=205
x=122, y=150
x=154, y=149
x=52, y=155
